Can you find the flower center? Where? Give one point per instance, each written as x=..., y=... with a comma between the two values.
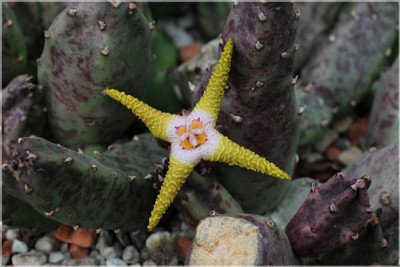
x=191, y=135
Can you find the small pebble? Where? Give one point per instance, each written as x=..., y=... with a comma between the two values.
x=123, y=238
x=46, y=244
x=311, y=157
x=115, y=262
x=19, y=246
x=183, y=245
x=325, y=140
x=7, y=247
x=78, y=252
x=5, y=259
x=106, y=238
x=342, y=143
x=111, y=252
x=30, y=258
x=83, y=262
x=100, y=260
x=350, y=155
x=64, y=247
x=95, y=254
x=56, y=257
x=357, y=130
x=149, y=263
x=63, y=233
x=130, y=255
x=12, y=234
x=138, y=239
x=83, y=237
x=332, y=153
x=189, y=51
x=343, y=124
x=144, y=254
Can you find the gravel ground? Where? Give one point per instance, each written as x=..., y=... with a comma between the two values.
x=108, y=249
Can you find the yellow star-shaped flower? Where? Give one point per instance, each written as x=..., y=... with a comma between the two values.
x=193, y=136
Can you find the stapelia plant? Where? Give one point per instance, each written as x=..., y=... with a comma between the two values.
x=193, y=137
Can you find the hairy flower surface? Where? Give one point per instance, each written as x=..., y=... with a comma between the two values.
x=193, y=136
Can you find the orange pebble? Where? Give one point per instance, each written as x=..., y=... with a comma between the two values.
x=83, y=237
x=64, y=232
x=7, y=247
x=78, y=252
x=332, y=153
x=183, y=245
x=188, y=52
x=358, y=129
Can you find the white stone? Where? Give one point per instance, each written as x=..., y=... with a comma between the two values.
x=19, y=246
x=5, y=259
x=350, y=155
x=64, y=247
x=46, y=244
x=111, y=252
x=115, y=262
x=149, y=263
x=56, y=257
x=12, y=234
x=130, y=255
x=31, y=258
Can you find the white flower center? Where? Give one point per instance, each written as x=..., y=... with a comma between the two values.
x=192, y=136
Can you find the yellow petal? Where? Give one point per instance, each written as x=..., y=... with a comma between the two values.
x=212, y=97
x=176, y=175
x=230, y=152
x=155, y=120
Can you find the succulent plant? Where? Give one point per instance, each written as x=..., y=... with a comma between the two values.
x=34, y=18
x=290, y=203
x=202, y=194
x=50, y=10
x=14, y=50
x=382, y=166
x=23, y=112
x=18, y=213
x=384, y=120
x=77, y=189
x=316, y=22
x=365, y=250
x=240, y=239
x=247, y=116
x=341, y=52
x=88, y=47
x=391, y=254
x=345, y=66
x=29, y=16
x=332, y=215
